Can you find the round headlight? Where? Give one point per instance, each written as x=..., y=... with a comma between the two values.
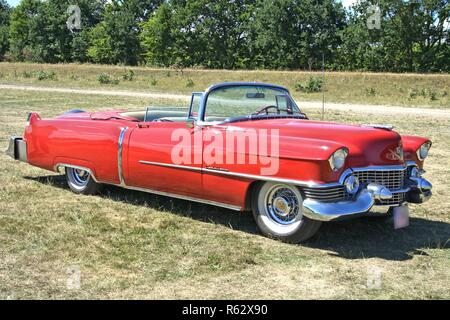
x=337, y=160
x=352, y=185
x=422, y=152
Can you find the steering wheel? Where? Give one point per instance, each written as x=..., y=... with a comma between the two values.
x=266, y=110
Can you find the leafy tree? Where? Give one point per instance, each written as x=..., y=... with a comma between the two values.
x=243, y=34
x=39, y=31
x=294, y=34
x=100, y=49
x=4, y=26
x=19, y=30
x=413, y=37
x=224, y=33
x=197, y=32
x=116, y=39
x=157, y=38
x=274, y=34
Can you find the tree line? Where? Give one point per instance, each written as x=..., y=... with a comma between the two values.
x=409, y=36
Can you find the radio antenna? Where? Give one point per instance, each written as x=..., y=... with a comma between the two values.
x=323, y=85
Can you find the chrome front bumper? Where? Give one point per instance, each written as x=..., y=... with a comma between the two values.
x=418, y=192
x=17, y=149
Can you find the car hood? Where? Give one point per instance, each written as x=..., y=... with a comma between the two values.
x=307, y=139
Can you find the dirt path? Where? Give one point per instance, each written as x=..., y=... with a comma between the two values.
x=364, y=108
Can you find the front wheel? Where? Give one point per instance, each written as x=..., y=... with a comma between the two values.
x=81, y=182
x=278, y=212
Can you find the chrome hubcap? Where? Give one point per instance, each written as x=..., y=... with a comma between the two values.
x=282, y=204
x=79, y=177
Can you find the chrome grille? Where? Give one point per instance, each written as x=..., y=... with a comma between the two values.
x=330, y=194
x=397, y=198
x=391, y=179
x=394, y=180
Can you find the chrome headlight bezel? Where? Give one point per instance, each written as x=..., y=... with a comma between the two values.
x=414, y=172
x=422, y=152
x=337, y=159
x=352, y=184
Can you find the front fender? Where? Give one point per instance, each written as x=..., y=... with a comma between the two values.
x=410, y=146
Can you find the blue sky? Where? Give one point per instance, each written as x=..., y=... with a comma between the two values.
x=13, y=2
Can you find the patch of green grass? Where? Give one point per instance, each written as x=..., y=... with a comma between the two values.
x=128, y=75
x=130, y=244
x=371, y=92
x=190, y=83
x=314, y=84
x=342, y=87
x=27, y=74
x=43, y=75
x=105, y=78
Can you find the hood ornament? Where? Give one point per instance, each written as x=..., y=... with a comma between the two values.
x=379, y=126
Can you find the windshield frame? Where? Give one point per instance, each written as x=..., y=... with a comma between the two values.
x=204, y=101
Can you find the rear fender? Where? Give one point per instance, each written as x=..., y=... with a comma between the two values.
x=62, y=162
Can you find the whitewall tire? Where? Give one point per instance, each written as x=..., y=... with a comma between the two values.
x=278, y=212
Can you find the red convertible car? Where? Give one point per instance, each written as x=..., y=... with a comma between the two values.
x=242, y=146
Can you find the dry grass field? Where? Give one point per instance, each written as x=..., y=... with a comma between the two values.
x=130, y=244
x=432, y=90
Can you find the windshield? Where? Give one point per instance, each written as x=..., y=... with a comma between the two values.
x=249, y=101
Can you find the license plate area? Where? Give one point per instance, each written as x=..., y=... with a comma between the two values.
x=401, y=217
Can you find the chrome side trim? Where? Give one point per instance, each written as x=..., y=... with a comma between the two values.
x=66, y=165
x=309, y=184
x=302, y=183
x=188, y=198
x=120, y=155
x=162, y=193
x=168, y=165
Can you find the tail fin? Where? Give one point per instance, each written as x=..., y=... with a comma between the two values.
x=32, y=118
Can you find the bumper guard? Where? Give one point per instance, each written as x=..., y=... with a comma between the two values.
x=419, y=192
x=17, y=149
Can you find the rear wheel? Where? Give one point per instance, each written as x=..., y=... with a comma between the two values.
x=278, y=212
x=80, y=181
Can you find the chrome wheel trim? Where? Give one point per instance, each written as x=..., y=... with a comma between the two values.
x=280, y=207
x=78, y=178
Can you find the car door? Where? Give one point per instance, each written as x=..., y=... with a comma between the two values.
x=163, y=156
x=151, y=164
x=221, y=161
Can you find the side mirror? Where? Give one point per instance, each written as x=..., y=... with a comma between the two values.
x=190, y=123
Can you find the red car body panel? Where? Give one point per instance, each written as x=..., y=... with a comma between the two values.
x=153, y=144
x=410, y=146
